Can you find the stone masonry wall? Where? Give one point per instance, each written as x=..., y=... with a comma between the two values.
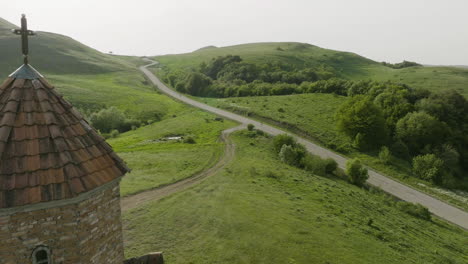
x=87, y=232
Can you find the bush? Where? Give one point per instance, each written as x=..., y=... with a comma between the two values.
x=415, y=210
x=357, y=174
x=250, y=127
x=189, y=140
x=428, y=167
x=385, y=156
x=314, y=164
x=330, y=165
x=290, y=155
x=114, y=133
x=363, y=122
x=108, y=119
x=281, y=140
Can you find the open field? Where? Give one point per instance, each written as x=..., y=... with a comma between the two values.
x=155, y=162
x=259, y=210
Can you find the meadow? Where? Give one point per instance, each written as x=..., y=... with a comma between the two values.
x=259, y=210
x=156, y=161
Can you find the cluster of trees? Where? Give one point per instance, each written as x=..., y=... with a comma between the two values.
x=112, y=121
x=227, y=76
x=230, y=76
x=401, y=65
x=295, y=154
x=428, y=129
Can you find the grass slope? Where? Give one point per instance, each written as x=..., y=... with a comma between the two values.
x=54, y=53
x=347, y=65
x=313, y=115
x=155, y=163
x=259, y=210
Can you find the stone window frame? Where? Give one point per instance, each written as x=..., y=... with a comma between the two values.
x=39, y=249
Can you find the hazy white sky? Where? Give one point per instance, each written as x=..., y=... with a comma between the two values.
x=426, y=31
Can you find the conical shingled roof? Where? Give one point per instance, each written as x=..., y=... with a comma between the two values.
x=47, y=150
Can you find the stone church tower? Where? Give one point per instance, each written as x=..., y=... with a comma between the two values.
x=59, y=179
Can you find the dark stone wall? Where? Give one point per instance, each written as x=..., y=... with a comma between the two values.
x=87, y=232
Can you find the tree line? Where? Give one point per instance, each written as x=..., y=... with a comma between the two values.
x=428, y=129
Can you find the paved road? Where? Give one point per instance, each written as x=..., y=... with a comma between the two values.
x=133, y=201
x=404, y=192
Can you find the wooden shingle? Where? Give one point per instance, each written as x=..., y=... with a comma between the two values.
x=47, y=150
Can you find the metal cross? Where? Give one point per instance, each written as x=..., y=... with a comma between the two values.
x=24, y=32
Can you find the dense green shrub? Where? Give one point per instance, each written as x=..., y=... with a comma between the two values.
x=357, y=173
x=314, y=164
x=292, y=155
x=250, y=127
x=419, y=129
x=189, y=140
x=114, y=133
x=330, y=165
x=281, y=140
x=363, y=122
x=428, y=167
x=385, y=156
x=112, y=118
x=415, y=210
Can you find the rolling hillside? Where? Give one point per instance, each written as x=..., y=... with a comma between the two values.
x=54, y=53
x=345, y=65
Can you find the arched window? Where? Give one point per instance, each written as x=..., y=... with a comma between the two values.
x=41, y=255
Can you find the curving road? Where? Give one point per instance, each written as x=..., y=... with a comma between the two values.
x=404, y=192
x=134, y=201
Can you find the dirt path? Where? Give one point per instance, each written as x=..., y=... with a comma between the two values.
x=398, y=189
x=133, y=201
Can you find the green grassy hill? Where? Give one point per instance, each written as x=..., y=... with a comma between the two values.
x=259, y=210
x=54, y=53
x=313, y=116
x=345, y=65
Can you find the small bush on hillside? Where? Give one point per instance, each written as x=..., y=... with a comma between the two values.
x=314, y=164
x=114, y=133
x=250, y=127
x=415, y=210
x=428, y=167
x=112, y=118
x=385, y=156
x=330, y=165
x=189, y=140
x=318, y=166
x=290, y=155
x=281, y=140
x=357, y=174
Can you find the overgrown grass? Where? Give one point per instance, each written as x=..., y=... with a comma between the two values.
x=259, y=210
x=156, y=161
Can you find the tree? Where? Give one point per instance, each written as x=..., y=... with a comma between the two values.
x=428, y=167
x=108, y=119
x=292, y=155
x=196, y=83
x=384, y=155
x=360, y=116
x=419, y=129
x=394, y=104
x=357, y=174
x=281, y=140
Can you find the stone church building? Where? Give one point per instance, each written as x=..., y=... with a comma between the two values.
x=59, y=179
